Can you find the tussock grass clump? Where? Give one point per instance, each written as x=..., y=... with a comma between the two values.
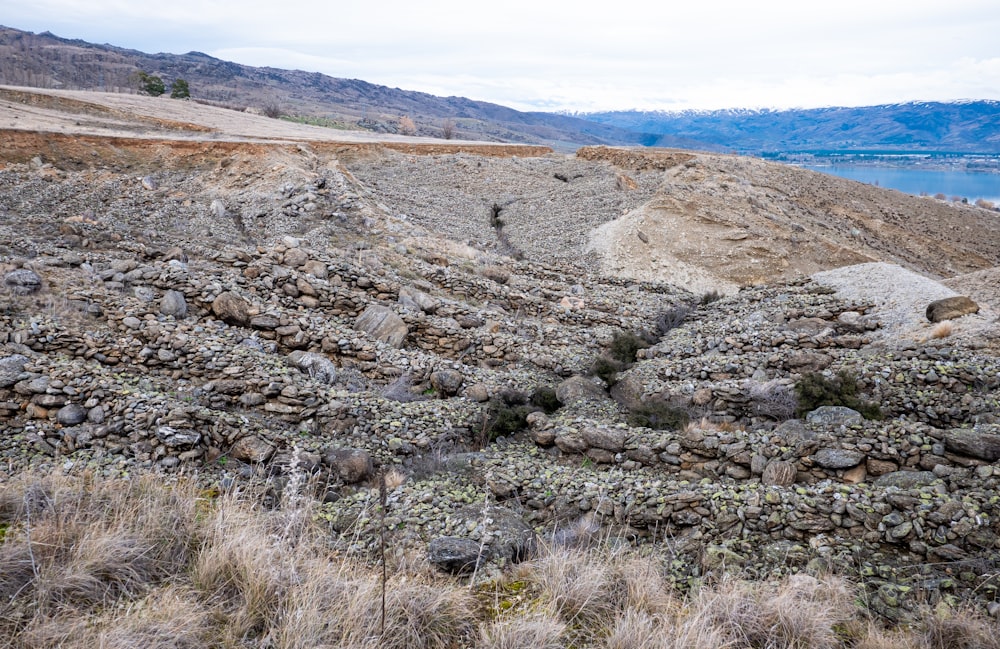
x=122, y=564
x=942, y=329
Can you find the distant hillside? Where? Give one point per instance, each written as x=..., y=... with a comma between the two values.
x=48, y=61
x=971, y=126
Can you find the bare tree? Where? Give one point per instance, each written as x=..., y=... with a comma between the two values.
x=448, y=128
x=407, y=126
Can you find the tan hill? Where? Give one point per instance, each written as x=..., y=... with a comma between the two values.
x=279, y=316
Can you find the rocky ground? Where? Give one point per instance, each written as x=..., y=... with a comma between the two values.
x=265, y=315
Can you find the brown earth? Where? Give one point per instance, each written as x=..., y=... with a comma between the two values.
x=698, y=220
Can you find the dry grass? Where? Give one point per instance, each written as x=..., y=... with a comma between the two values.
x=942, y=329
x=118, y=564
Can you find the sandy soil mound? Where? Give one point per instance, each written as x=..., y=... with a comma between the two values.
x=901, y=297
x=982, y=286
x=718, y=222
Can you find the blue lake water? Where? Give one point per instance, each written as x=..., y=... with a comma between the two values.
x=970, y=185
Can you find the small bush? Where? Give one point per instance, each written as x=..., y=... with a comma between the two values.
x=546, y=399
x=407, y=126
x=624, y=346
x=711, y=296
x=658, y=416
x=814, y=390
x=150, y=84
x=448, y=128
x=179, y=89
x=773, y=399
x=669, y=319
x=503, y=419
x=942, y=329
x=272, y=108
x=606, y=369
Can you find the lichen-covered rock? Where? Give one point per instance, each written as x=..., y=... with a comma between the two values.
x=12, y=369
x=382, y=324
x=906, y=479
x=831, y=416
x=456, y=555
x=838, y=458
x=950, y=308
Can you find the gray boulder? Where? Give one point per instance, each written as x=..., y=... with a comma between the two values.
x=833, y=416
x=974, y=443
x=315, y=365
x=176, y=437
x=23, y=281
x=447, y=382
x=579, y=388
x=71, y=414
x=609, y=439
x=12, y=369
x=382, y=324
x=411, y=297
x=173, y=303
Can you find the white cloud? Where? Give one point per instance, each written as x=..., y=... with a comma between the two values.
x=561, y=55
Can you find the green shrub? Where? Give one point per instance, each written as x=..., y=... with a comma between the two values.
x=150, y=84
x=179, y=89
x=710, y=297
x=546, y=399
x=624, y=346
x=503, y=419
x=606, y=369
x=815, y=390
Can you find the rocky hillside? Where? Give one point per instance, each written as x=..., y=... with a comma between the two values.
x=257, y=313
x=48, y=61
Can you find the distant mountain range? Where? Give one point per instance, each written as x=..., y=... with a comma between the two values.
x=48, y=61
x=967, y=126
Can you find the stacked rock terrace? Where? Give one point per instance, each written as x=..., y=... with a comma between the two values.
x=146, y=328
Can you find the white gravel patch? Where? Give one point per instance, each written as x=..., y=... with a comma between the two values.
x=900, y=296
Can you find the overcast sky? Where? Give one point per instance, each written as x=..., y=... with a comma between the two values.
x=541, y=55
